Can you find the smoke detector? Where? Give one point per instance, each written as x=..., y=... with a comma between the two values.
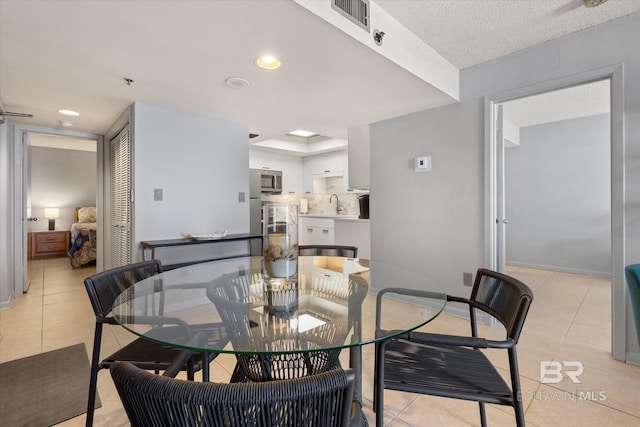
x=236, y=82
x=593, y=3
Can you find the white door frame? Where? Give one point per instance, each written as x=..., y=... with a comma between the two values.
x=20, y=202
x=616, y=75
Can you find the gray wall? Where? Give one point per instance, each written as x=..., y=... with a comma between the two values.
x=63, y=179
x=558, y=196
x=200, y=163
x=434, y=222
x=6, y=220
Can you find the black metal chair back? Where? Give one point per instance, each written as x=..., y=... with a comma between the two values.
x=453, y=366
x=328, y=250
x=103, y=288
x=503, y=297
x=322, y=400
x=282, y=359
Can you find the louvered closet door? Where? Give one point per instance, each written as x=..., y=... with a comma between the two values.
x=121, y=199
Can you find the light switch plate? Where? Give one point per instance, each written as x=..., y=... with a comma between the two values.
x=157, y=194
x=241, y=197
x=423, y=164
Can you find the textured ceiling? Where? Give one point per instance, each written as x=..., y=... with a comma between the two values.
x=468, y=32
x=571, y=103
x=74, y=54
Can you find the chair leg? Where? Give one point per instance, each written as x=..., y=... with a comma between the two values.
x=191, y=369
x=206, y=360
x=519, y=414
x=375, y=379
x=483, y=415
x=93, y=379
x=516, y=387
x=378, y=388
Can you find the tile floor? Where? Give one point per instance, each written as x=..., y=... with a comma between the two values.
x=569, y=321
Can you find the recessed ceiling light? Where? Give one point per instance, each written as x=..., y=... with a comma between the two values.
x=69, y=112
x=236, y=82
x=268, y=62
x=302, y=133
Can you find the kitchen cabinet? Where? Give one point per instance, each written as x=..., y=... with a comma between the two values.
x=354, y=233
x=359, y=157
x=323, y=166
x=263, y=160
x=291, y=175
x=291, y=167
x=315, y=231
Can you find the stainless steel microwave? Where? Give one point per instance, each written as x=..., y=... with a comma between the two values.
x=269, y=181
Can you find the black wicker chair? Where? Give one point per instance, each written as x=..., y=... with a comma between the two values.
x=328, y=250
x=230, y=294
x=103, y=288
x=453, y=366
x=151, y=400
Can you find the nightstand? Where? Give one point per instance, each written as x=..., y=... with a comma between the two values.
x=49, y=243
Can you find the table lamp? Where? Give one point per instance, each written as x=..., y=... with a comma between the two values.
x=52, y=214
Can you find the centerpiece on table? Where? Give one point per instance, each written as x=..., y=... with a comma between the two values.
x=280, y=256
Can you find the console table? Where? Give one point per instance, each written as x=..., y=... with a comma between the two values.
x=176, y=253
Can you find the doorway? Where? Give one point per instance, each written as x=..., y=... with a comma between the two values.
x=496, y=224
x=61, y=177
x=20, y=136
x=557, y=180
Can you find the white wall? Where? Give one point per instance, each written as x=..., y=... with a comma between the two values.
x=201, y=165
x=558, y=197
x=434, y=222
x=65, y=179
x=6, y=223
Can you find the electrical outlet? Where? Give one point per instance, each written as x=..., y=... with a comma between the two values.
x=467, y=279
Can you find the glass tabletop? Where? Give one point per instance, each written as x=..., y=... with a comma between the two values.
x=228, y=306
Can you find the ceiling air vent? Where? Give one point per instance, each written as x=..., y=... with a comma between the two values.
x=356, y=11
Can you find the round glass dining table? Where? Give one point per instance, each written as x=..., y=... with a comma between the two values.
x=230, y=306
x=332, y=306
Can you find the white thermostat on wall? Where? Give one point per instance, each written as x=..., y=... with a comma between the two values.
x=423, y=164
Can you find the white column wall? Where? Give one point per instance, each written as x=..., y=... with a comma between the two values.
x=201, y=164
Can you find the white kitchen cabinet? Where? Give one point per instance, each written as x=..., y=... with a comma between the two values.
x=354, y=233
x=291, y=167
x=291, y=175
x=324, y=165
x=315, y=231
x=264, y=160
x=359, y=157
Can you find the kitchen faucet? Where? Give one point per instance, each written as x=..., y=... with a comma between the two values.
x=331, y=198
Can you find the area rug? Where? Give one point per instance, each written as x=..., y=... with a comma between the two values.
x=45, y=389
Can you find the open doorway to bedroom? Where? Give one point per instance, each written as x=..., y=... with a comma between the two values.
x=61, y=195
x=611, y=217
x=557, y=200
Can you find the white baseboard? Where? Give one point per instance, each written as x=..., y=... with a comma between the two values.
x=605, y=274
x=633, y=358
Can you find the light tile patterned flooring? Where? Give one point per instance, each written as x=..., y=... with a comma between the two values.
x=569, y=321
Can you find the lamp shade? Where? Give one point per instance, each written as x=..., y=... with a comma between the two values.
x=51, y=212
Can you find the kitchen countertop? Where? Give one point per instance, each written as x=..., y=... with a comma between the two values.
x=336, y=217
